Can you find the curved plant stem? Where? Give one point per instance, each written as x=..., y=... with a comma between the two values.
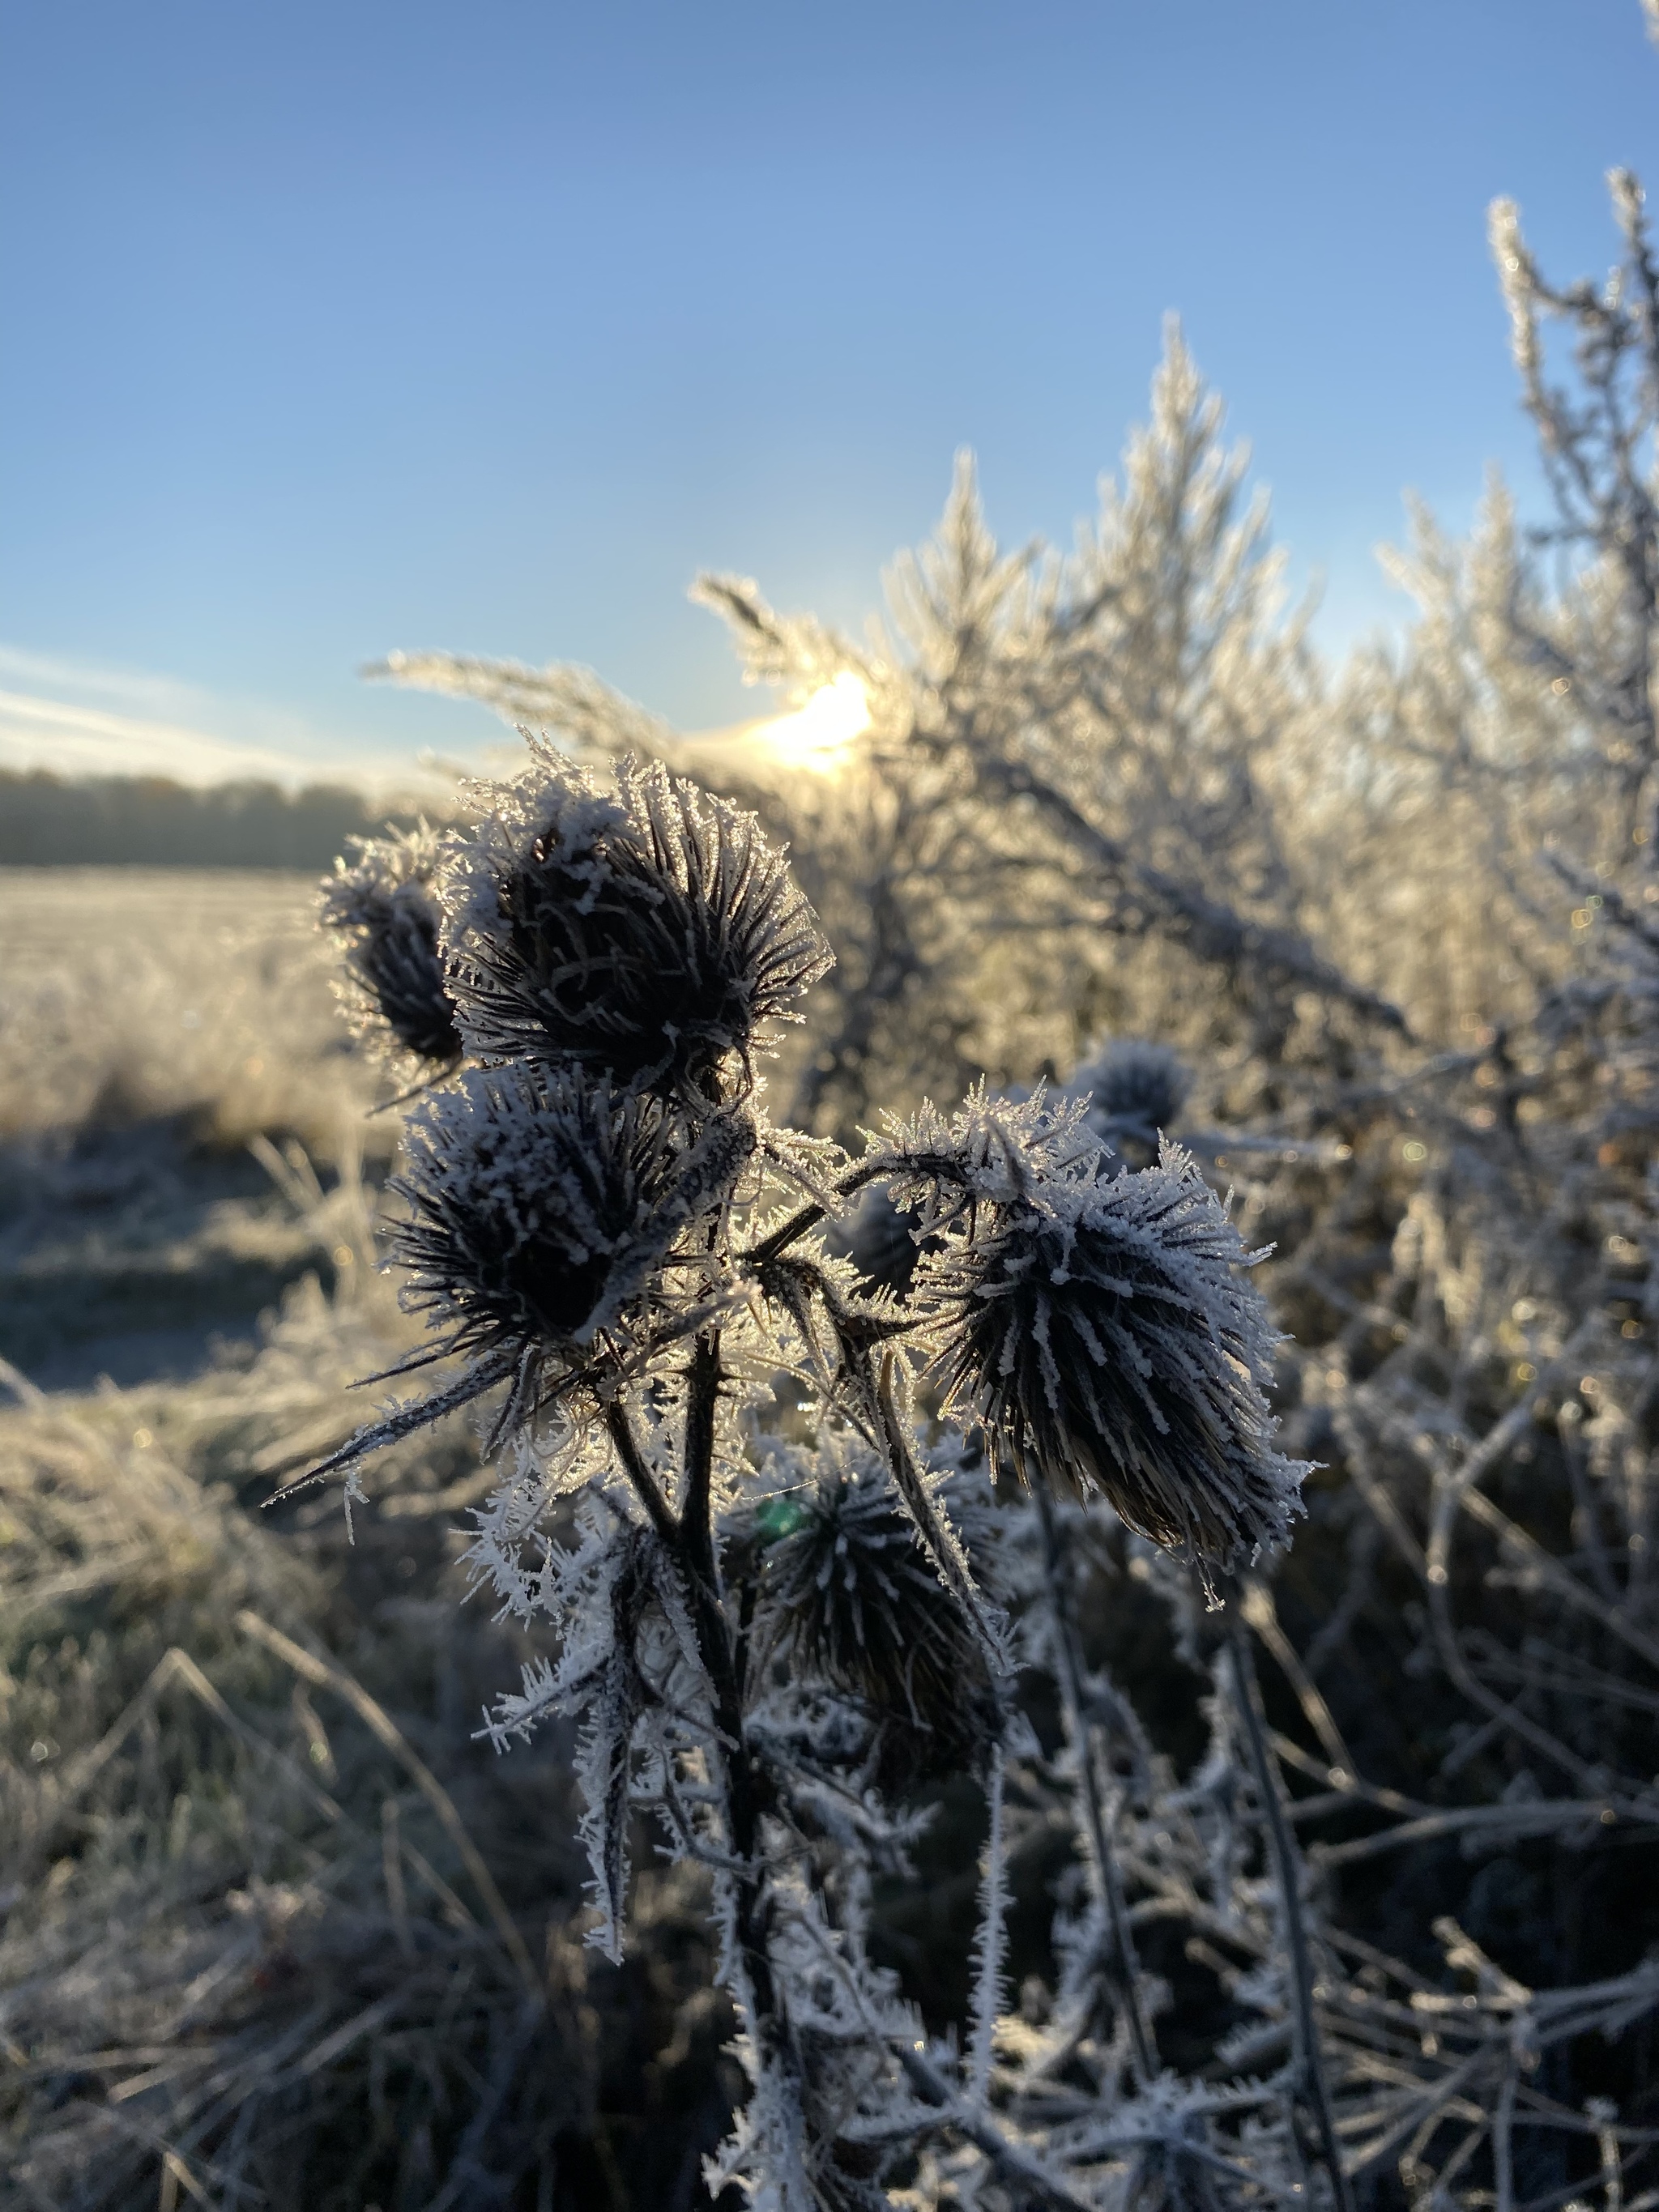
x=645, y=1483
x=1312, y=2087
x=1103, y=1862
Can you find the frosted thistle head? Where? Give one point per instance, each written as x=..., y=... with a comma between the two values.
x=849, y=1598
x=383, y=905
x=1138, y=1089
x=541, y=1207
x=1102, y=1333
x=649, y=938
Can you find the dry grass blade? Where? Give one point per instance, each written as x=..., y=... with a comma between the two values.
x=327, y=1674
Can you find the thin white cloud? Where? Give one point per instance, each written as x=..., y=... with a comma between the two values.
x=162, y=695
x=78, y=719
x=75, y=740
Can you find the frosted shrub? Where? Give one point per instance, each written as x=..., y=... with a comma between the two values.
x=767, y=1644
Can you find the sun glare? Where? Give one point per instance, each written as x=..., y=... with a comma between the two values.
x=820, y=735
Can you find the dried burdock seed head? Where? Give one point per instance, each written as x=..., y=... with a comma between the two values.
x=848, y=1596
x=1138, y=1088
x=541, y=1207
x=649, y=937
x=383, y=905
x=1102, y=1333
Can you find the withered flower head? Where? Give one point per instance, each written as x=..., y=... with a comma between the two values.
x=649, y=937
x=1138, y=1088
x=541, y=1206
x=1102, y=1333
x=849, y=1598
x=383, y=905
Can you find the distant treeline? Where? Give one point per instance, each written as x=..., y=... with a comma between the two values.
x=49, y=822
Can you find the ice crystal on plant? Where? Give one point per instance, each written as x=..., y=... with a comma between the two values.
x=768, y=1661
x=628, y=1655
x=541, y=1207
x=846, y=1595
x=1136, y=1090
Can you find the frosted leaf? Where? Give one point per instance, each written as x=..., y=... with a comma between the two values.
x=627, y=1646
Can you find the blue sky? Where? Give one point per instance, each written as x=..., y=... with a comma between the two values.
x=335, y=328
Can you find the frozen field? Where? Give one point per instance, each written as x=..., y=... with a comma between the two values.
x=153, y=1024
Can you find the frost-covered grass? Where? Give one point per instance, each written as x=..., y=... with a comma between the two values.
x=131, y=993
x=263, y=1900
x=153, y=1024
x=271, y=1917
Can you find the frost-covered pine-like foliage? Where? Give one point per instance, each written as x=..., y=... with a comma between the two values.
x=1065, y=810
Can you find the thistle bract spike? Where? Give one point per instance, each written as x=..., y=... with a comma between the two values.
x=648, y=937
x=382, y=903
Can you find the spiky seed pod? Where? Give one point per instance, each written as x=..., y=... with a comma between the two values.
x=382, y=903
x=848, y=1596
x=649, y=937
x=541, y=1206
x=1138, y=1090
x=1102, y=1332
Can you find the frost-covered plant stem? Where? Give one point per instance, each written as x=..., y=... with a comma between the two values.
x=1313, y=2123
x=1103, y=1872
x=657, y=1510
x=993, y=1943
x=748, y=1791
x=690, y=1536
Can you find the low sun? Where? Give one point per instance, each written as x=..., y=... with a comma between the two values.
x=820, y=735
